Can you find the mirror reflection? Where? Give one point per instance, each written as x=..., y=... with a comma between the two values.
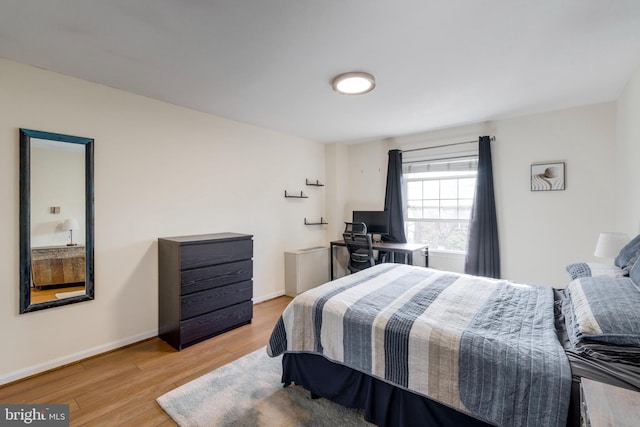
x=56, y=219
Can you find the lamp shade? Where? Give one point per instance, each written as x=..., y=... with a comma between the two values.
x=70, y=224
x=610, y=243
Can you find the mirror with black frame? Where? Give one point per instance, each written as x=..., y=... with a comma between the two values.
x=56, y=220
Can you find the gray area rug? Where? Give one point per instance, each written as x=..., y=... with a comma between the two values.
x=249, y=392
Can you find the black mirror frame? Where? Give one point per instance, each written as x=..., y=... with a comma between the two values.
x=25, y=220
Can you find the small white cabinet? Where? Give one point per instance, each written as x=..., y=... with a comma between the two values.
x=305, y=269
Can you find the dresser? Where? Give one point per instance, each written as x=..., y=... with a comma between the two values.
x=205, y=286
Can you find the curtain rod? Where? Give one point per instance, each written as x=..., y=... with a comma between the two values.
x=493, y=138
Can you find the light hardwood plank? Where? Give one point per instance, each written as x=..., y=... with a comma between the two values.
x=49, y=293
x=119, y=388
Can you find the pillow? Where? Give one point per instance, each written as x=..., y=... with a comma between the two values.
x=632, y=262
x=588, y=269
x=634, y=274
x=606, y=310
x=630, y=250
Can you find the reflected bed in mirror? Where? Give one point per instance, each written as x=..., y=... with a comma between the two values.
x=56, y=220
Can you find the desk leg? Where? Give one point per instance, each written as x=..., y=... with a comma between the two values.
x=331, y=261
x=410, y=258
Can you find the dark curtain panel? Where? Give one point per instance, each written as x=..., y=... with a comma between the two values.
x=483, y=256
x=393, y=198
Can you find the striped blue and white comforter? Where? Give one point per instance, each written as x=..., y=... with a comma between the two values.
x=483, y=346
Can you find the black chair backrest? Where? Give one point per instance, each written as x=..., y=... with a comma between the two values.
x=360, y=247
x=355, y=227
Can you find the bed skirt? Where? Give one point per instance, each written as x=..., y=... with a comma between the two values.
x=383, y=403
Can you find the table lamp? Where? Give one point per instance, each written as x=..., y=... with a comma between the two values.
x=609, y=244
x=70, y=224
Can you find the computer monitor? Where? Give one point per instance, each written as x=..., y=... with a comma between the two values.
x=377, y=221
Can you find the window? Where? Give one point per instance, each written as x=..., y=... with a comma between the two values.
x=438, y=201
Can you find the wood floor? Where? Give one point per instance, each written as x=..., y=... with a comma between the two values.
x=119, y=388
x=49, y=294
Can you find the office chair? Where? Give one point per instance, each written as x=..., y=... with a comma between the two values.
x=355, y=227
x=359, y=245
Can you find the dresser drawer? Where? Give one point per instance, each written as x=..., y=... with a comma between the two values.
x=214, y=299
x=213, y=323
x=208, y=253
x=204, y=278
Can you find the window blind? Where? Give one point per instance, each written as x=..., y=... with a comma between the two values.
x=448, y=164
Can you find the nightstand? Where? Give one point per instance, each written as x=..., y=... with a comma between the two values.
x=606, y=405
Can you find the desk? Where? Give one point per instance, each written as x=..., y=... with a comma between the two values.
x=396, y=248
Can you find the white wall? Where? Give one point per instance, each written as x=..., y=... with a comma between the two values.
x=628, y=158
x=337, y=188
x=160, y=170
x=367, y=176
x=337, y=198
x=540, y=232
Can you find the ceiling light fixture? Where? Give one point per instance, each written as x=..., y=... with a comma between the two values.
x=354, y=83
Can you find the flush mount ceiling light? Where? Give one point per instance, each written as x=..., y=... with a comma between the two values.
x=354, y=83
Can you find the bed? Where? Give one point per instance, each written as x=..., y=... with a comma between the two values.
x=417, y=346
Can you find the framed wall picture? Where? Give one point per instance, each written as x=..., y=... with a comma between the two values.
x=547, y=176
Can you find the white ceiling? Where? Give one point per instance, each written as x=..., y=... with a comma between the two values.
x=270, y=62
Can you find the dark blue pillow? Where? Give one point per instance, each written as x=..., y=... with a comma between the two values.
x=634, y=274
x=623, y=260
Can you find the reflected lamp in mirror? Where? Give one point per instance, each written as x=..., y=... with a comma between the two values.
x=609, y=244
x=69, y=225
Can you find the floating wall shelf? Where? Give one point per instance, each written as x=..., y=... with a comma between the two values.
x=295, y=196
x=315, y=184
x=322, y=222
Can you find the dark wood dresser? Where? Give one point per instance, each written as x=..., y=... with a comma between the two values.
x=205, y=286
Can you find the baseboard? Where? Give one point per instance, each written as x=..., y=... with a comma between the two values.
x=71, y=358
x=268, y=297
